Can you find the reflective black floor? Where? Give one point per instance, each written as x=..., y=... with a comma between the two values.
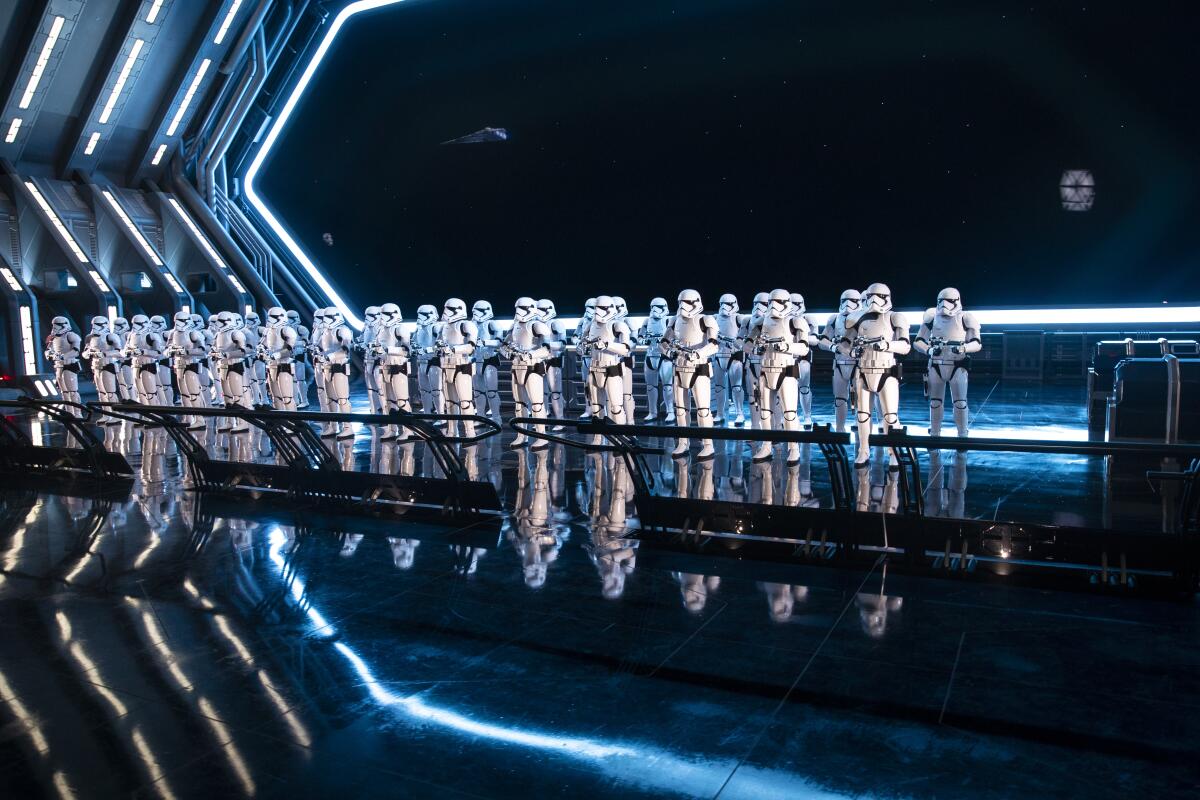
x=165, y=646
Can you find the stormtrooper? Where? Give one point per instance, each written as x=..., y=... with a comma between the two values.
x=728, y=377
x=278, y=347
x=300, y=353
x=392, y=350
x=780, y=341
x=120, y=329
x=206, y=381
x=690, y=341
x=186, y=347
x=622, y=324
x=527, y=345
x=456, y=354
x=257, y=372
x=753, y=360
x=211, y=363
x=604, y=345
x=948, y=336
x=62, y=350
x=103, y=347
x=318, y=357
x=429, y=370
x=487, y=374
x=229, y=354
x=657, y=369
x=843, y=363
x=145, y=346
x=875, y=335
x=159, y=323
x=334, y=345
x=804, y=365
x=554, y=365
x=364, y=344
x=581, y=333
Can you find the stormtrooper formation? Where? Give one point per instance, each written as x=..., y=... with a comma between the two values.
x=699, y=369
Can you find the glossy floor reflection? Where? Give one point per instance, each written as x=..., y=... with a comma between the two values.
x=154, y=647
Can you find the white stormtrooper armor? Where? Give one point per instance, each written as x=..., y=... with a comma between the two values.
x=487, y=371
x=585, y=362
x=804, y=365
x=209, y=367
x=781, y=341
x=843, y=363
x=554, y=365
x=392, y=351
x=456, y=353
x=604, y=346
x=527, y=346
x=429, y=370
x=159, y=323
x=257, y=372
x=318, y=357
x=627, y=362
x=690, y=341
x=279, y=348
x=728, y=374
x=948, y=335
x=62, y=350
x=230, y=351
x=753, y=359
x=335, y=344
x=103, y=347
x=144, y=345
x=364, y=344
x=186, y=347
x=125, y=382
x=875, y=335
x=300, y=359
x=657, y=370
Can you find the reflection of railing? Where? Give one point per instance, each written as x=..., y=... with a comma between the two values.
x=310, y=471
x=90, y=460
x=850, y=532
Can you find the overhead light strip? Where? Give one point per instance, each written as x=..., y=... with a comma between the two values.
x=43, y=60
x=152, y=14
x=229, y=15
x=187, y=98
x=133, y=229
x=13, y=128
x=58, y=224
x=158, y=155
x=272, y=136
x=10, y=279
x=93, y=140
x=122, y=77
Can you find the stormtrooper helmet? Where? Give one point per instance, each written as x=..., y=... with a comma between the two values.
x=850, y=300
x=949, y=302
x=727, y=306
x=454, y=310
x=525, y=310
x=546, y=310
x=690, y=304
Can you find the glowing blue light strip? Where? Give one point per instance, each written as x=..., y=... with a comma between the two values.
x=269, y=140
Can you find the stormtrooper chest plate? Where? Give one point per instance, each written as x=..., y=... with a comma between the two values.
x=870, y=326
x=773, y=328
x=603, y=332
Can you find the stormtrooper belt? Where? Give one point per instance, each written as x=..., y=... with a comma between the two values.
x=337, y=369
x=555, y=362
x=109, y=368
x=614, y=371
x=394, y=369
x=491, y=361
x=73, y=367
x=282, y=367
x=152, y=368
x=236, y=367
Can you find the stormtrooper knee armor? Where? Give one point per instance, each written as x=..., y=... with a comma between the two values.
x=843, y=364
x=875, y=335
x=657, y=369
x=527, y=345
x=948, y=335
x=393, y=351
x=279, y=348
x=487, y=369
x=690, y=342
x=781, y=342
x=456, y=353
x=554, y=365
x=62, y=350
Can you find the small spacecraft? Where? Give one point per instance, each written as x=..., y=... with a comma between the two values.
x=481, y=135
x=327, y=238
x=1077, y=189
